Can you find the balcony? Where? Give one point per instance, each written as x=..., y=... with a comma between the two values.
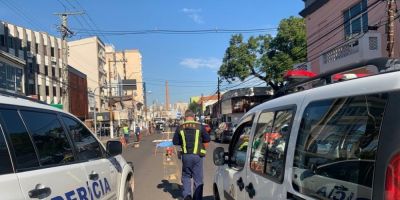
x=358, y=49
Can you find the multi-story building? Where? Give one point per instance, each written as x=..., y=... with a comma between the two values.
x=128, y=65
x=39, y=63
x=125, y=67
x=88, y=56
x=341, y=32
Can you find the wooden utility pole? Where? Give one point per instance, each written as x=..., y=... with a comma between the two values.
x=110, y=95
x=166, y=96
x=219, y=100
x=65, y=33
x=390, y=33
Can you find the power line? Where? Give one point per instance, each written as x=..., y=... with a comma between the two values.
x=21, y=14
x=177, y=32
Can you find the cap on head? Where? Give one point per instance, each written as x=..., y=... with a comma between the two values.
x=189, y=113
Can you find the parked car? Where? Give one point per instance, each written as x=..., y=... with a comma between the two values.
x=224, y=132
x=338, y=141
x=47, y=153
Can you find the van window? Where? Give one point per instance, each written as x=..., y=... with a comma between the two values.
x=20, y=141
x=49, y=137
x=240, y=142
x=5, y=164
x=269, y=144
x=336, y=147
x=86, y=144
x=259, y=147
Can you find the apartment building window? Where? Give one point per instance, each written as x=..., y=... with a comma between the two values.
x=356, y=19
x=10, y=42
x=47, y=91
x=52, y=51
x=10, y=77
x=46, y=70
x=37, y=47
x=53, y=71
x=28, y=46
x=45, y=50
x=2, y=40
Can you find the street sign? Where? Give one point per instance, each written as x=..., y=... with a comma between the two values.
x=129, y=84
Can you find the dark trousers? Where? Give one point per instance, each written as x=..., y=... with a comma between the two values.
x=192, y=167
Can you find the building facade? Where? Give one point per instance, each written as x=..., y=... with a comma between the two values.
x=11, y=73
x=127, y=65
x=78, y=93
x=341, y=32
x=88, y=56
x=40, y=56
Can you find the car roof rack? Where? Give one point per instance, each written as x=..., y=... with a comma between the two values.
x=10, y=94
x=383, y=64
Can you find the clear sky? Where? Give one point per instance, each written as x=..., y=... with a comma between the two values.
x=189, y=62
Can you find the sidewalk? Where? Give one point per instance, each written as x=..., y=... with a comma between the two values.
x=105, y=139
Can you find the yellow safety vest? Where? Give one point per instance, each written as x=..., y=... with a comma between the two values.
x=198, y=145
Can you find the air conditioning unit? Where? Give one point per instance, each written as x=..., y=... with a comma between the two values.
x=29, y=54
x=53, y=59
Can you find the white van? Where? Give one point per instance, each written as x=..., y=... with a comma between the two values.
x=46, y=153
x=338, y=141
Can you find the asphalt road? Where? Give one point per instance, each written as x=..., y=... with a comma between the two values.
x=157, y=179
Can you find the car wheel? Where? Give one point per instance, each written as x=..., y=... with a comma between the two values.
x=128, y=194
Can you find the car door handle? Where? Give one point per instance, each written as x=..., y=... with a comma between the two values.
x=291, y=196
x=93, y=176
x=40, y=192
x=250, y=190
x=240, y=183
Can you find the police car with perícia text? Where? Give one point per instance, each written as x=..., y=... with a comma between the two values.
x=46, y=153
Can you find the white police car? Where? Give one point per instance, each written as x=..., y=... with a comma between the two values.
x=338, y=141
x=46, y=153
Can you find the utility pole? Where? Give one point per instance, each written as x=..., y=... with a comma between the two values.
x=110, y=95
x=65, y=33
x=166, y=97
x=390, y=33
x=219, y=101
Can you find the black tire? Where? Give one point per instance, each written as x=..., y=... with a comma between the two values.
x=128, y=193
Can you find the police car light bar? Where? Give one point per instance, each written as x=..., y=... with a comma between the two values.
x=383, y=64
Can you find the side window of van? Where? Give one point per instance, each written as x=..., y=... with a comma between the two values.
x=86, y=144
x=269, y=144
x=5, y=164
x=240, y=142
x=336, y=147
x=49, y=137
x=21, y=143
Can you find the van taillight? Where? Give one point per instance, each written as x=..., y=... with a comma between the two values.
x=392, y=185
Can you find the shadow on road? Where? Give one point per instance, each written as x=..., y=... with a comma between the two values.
x=173, y=188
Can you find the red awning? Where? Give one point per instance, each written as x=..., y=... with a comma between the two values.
x=299, y=74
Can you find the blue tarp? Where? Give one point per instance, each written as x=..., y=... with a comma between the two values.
x=165, y=144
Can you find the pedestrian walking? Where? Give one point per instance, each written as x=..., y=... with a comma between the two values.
x=137, y=133
x=125, y=128
x=193, y=139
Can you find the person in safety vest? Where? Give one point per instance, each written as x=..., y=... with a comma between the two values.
x=193, y=138
x=125, y=128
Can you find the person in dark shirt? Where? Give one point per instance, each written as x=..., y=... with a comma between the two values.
x=193, y=139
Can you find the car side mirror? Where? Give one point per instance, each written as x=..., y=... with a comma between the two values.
x=114, y=148
x=219, y=156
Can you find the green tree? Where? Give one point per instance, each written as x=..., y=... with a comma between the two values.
x=195, y=107
x=264, y=56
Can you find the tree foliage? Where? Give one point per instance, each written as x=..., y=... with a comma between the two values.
x=264, y=56
x=195, y=107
